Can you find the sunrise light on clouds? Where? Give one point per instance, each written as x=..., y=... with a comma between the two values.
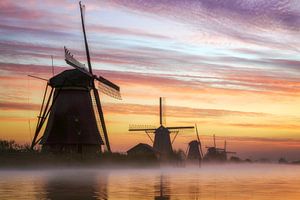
x=232, y=68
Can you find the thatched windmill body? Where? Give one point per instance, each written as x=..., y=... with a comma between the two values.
x=195, y=149
x=162, y=141
x=73, y=108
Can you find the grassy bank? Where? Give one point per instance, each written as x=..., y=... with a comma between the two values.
x=45, y=160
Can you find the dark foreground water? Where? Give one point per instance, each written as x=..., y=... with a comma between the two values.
x=210, y=182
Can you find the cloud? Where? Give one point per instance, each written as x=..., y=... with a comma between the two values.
x=272, y=10
x=253, y=139
x=247, y=21
x=18, y=106
x=176, y=111
x=257, y=11
x=293, y=65
x=267, y=126
x=123, y=31
x=226, y=81
x=22, y=70
x=10, y=9
x=32, y=31
x=19, y=49
x=69, y=31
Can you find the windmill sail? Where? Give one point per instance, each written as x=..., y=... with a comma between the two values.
x=105, y=86
x=108, y=88
x=69, y=58
x=162, y=111
x=98, y=119
x=109, y=91
x=198, y=138
x=82, y=9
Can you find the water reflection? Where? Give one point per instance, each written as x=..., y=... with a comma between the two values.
x=76, y=185
x=162, y=188
x=208, y=183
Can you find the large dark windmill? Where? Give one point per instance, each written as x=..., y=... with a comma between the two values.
x=162, y=140
x=73, y=108
x=195, y=149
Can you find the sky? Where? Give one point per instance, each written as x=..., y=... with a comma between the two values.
x=232, y=67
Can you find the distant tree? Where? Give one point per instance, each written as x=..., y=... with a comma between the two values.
x=235, y=159
x=179, y=155
x=282, y=161
x=297, y=162
x=248, y=160
x=12, y=146
x=8, y=146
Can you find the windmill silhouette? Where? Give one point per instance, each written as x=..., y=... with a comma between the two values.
x=215, y=154
x=162, y=140
x=75, y=116
x=195, y=148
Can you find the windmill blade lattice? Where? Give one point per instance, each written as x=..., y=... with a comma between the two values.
x=108, y=90
x=69, y=58
x=98, y=120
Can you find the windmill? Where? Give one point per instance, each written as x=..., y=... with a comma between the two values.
x=195, y=148
x=75, y=116
x=162, y=140
x=217, y=154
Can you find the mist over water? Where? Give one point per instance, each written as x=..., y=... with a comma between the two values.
x=252, y=181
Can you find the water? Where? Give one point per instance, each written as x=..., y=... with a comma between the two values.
x=232, y=182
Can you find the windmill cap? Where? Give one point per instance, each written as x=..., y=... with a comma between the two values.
x=193, y=142
x=71, y=77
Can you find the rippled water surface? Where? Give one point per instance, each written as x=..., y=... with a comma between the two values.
x=209, y=182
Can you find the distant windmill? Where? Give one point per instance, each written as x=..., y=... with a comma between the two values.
x=217, y=154
x=195, y=148
x=75, y=117
x=162, y=141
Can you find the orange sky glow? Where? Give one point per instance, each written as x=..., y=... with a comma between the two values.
x=239, y=88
